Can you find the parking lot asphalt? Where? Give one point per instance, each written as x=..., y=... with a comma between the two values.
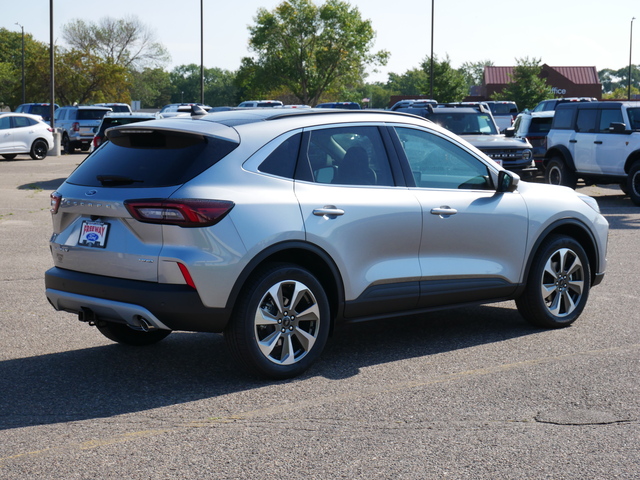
x=466, y=393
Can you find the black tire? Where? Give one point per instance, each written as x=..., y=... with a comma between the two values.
x=67, y=146
x=558, y=172
x=624, y=187
x=121, y=333
x=270, y=339
x=633, y=183
x=558, y=284
x=39, y=149
x=10, y=156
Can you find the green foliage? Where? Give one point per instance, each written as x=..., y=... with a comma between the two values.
x=308, y=50
x=219, y=88
x=526, y=88
x=85, y=79
x=36, y=55
x=474, y=72
x=449, y=85
x=152, y=87
x=613, y=80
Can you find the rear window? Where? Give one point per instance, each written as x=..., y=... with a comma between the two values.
x=540, y=125
x=90, y=114
x=503, y=108
x=149, y=159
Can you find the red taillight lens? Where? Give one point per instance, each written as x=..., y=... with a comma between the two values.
x=181, y=212
x=75, y=127
x=96, y=141
x=56, y=198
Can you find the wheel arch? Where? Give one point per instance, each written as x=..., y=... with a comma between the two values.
x=571, y=228
x=562, y=152
x=305, y=255
x=631, y=159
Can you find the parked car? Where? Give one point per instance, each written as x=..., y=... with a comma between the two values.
x=274, y=225
x=42, y=109
x=475, y=124
x=112, y=119
x=504, y=113
x=598, y=142
x=22, y=133
x=409, y=102
x=174, y=109
x=116, y=107
x=77, y=126
x=346, y=105
x=551, y=104
x=261, y=104
x=534, y=126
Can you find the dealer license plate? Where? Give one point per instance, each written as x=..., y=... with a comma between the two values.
x=94, y=234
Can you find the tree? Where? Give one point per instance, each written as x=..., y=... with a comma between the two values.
x=613, y=80
x=82, y=78
x=124, y=42
x=36, y=55
x=308, y=49
x=412, y=82
x=526, y=88
x=474, y=72
x=219, y=88
x=449, y=84
x=152, y=87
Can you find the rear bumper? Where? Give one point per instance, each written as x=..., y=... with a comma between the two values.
x=135, y=303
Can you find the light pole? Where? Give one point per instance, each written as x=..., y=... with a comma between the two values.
x=202, y=51
x=431, y=67
x=23, y=84
x=630, y=48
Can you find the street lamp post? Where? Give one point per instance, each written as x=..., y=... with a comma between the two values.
x=630, y=48
x=23, y=84
x=431, y=67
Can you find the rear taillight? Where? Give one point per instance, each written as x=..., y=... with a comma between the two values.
x=96, y=141
x=56, y=198
x=75, y=127
x=181, y=212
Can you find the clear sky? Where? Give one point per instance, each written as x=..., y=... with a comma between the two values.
x=557, y=32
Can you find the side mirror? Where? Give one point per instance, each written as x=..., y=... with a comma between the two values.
x=618, y=128
x=510, y=132
x=507, y=181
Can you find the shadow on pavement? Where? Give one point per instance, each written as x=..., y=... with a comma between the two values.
x=112, y=380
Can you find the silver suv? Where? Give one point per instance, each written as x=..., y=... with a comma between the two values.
x=598, y=142
x=77, y=125
x=273, y=225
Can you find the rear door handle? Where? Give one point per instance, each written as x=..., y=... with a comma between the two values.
x=573, y=141
x=328, y=211
x=598, y=142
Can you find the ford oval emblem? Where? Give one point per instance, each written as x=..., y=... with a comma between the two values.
x=91, y=192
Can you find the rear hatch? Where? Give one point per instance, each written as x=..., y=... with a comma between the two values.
x=94, y=232
x=89, y=120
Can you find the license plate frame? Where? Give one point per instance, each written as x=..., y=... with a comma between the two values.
x=94, y=234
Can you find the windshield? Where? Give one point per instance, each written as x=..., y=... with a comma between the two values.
x=462, y=123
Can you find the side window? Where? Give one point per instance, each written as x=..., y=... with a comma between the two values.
x=21, y=122
x=607, y=117
x=438, y=163
x=586, y=121
x=282, y=162
x=563, y=118
x=349, y=156
x=5, y=123
x=634, y=118
x=60, y=114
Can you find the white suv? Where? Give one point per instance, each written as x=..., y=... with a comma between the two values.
x=598, y=142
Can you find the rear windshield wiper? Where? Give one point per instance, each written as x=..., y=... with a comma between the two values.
x=116, y=180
